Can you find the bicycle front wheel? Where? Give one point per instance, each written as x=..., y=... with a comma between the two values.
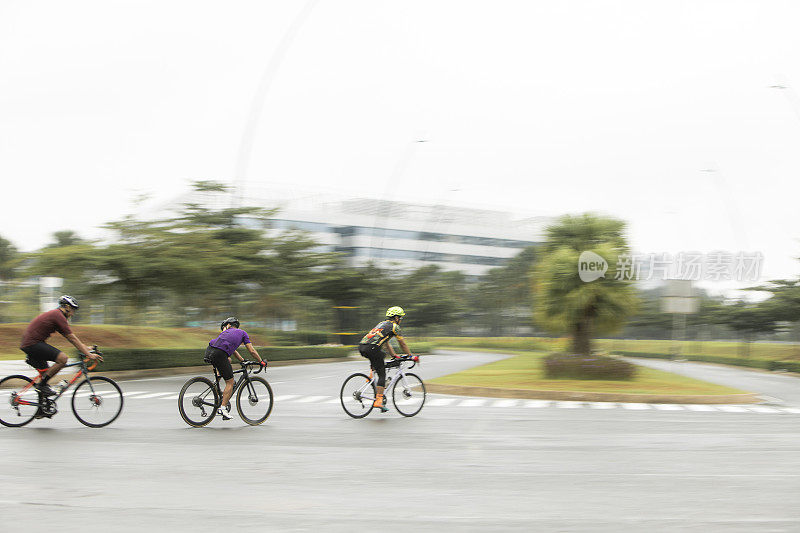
x=408, y=394
x=357, y=395
x=19, y=401
x=254, y=400
x=97, y=402
x=198, y=401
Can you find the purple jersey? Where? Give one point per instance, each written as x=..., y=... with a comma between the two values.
x=230, y=339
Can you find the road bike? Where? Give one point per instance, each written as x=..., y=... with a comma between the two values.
x=406, y=388
x=200, y=398
x=96, y=401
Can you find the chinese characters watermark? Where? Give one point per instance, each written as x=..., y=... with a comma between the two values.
x=693, y=266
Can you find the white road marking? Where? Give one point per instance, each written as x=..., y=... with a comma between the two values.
x=636, y=406
x=310, y=399
x=668, y=407
x=568, y=405
x=126, y=394
x=505, y=403
x=173, y=397
x=538, y=403
x=472, y=402
x=285, y=397
x=439, y=402
x=791, y=410
x=732, y=409
x=153, y=395
x=762, y=409
x=700, y=407
x=603, y=405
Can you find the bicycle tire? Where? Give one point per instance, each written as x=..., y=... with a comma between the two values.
x=193, y=412
x=263, y=395
x=87, y=404
x=8, y=410
x=413, y=389
x=350, y=395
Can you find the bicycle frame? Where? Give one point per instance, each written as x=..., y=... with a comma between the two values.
x=244, y=378
x=82, y=371
x=365, y=392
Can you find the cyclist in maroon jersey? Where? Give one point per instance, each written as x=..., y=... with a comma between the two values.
x=39, y=352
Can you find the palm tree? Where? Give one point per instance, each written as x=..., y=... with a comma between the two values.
x=563, y=304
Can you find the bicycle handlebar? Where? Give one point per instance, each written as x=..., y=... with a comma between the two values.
x=261, y=368
x=93, y=351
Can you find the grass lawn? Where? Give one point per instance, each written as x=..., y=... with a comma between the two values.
x=525, y=371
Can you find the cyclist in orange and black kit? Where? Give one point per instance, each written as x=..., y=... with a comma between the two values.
x=371, y=347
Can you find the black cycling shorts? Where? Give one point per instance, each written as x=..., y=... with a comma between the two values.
x=375, y=356
x=220, y=360
x=39, y=354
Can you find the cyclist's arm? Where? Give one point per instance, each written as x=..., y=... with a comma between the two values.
x=82, y=348
x=239, y=357
x=401, y=341
x=252, y=350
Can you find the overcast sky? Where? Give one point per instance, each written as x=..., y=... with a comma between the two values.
x=539, y=107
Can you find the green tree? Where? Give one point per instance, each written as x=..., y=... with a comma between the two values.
x=749, y=320
x=563, y=303
x=9, y=259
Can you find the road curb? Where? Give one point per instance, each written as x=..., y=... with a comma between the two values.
x=578, y=396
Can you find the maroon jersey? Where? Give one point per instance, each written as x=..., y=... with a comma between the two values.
x=43, y=326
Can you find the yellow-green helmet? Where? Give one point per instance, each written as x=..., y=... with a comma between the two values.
x=395, y=311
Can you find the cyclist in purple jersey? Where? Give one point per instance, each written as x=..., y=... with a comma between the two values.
x=219, y=354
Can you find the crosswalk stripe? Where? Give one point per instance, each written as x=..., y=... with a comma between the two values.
x=668, y=407
x=310, y=399
x=537, y=403
x=473, y=402
x=636, y=406
x=762, y=409
x=439, y=402
x=133, y=393
x=791, y=410
x=285, y=397
x=732, y=409
x=603, y=405
x=505, y=403
x=172, y=397
x=701, y=407
x=569, y=405
x=154, y=395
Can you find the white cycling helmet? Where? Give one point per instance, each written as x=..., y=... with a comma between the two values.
x=68, y=300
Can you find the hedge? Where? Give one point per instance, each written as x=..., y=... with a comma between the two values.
x=301, y=338
x=791, y=366
x=142, y=358
x=568, y=366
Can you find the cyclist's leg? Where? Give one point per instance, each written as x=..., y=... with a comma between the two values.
x=376, y=360
x=222, y=363
x=39, y=354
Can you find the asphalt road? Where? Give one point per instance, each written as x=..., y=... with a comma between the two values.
x=458, y=466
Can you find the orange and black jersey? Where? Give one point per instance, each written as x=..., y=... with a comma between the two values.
x=382, y=333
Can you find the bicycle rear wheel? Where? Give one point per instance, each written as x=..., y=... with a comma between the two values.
x=408, y=394
x=254, y=400
x=18, y=405
x=357, y=395
x=198, y=401
x=97, y=402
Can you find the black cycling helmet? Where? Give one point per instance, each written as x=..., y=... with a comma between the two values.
x=232, y=320
x=68, y=300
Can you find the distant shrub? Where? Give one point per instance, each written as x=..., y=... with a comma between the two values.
x=568, y=366
x=301, y=338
